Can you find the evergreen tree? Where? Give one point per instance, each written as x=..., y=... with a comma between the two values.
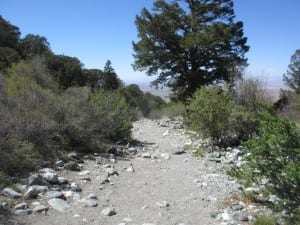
x=190, y=43
x=109, y=79
x=292, y=76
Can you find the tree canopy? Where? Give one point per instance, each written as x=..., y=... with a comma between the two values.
x=292, y=76
x=189, y=43
x=9, y=43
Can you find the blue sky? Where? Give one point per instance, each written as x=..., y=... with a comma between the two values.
x=97, y=30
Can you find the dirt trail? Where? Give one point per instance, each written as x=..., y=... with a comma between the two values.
x=181, y=190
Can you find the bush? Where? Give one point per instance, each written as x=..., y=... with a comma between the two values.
x=265, y=220
x=209, y=113
x=274, y=153
x=39, y=124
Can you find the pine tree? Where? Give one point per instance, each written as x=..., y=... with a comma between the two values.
x=189, y=43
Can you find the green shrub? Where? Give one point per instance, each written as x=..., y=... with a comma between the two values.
x=115, y=115
x=209, y=113
x=274, y=153
x=265, y=220
x=38, y=123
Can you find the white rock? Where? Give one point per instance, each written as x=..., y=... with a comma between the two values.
x=84, y=172
x=163, y=204
x=127, y=219
x=11, y=193
x=108, y=211
x=166, y=133
x=146, y=155
x=225, y=216
x=60, y=205
x=165, y=156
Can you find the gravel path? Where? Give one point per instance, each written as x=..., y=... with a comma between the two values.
x=181, y=190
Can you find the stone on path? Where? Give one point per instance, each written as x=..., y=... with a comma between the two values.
x=40, y=208
x=177, y=150
x=73, y=166
x=165, y=156
x=102, y=179
x=55, y=194
x=163, y=204
x=108, y=211
x=51, y=177
x=60, y=205
x=11, y=193
x=22, y=205
x=23, y=212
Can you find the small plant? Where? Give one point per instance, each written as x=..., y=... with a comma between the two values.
x=214, y=215
x=265, y=220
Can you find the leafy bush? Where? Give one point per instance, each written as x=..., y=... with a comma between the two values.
x=265, y=220
x=275, y=153
x=40, y=124
x=115, y=115
x=209, y=114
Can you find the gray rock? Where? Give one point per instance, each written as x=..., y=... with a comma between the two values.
x=252, y=189
x=132, y=150
x=99, y=160
x=84, y=173
x=21, y=187
x=240, y=216
x=60, y=163
x=60, y=205
x=46, y=170
x=146, y=155
x=41, y=188
x=92, y=196
x=90, y=202
x=177, y=150
x=108, y=211
x=111, y=171
x=130, y=169
x=225, y=216
x=102, y=179
x=163, y=204
x=73, y=155
x=62, y=180
x=55, y=194
x=75, y=187
x=51, y=177
x=11, y=193
x=31, y=193
x=40, y=208
x=237, y=207
x=23, y=212
x=73, y=166
x=35, y=179
x=22, y=205
x=165, y=156
x=86, y=178
x=216, y=160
